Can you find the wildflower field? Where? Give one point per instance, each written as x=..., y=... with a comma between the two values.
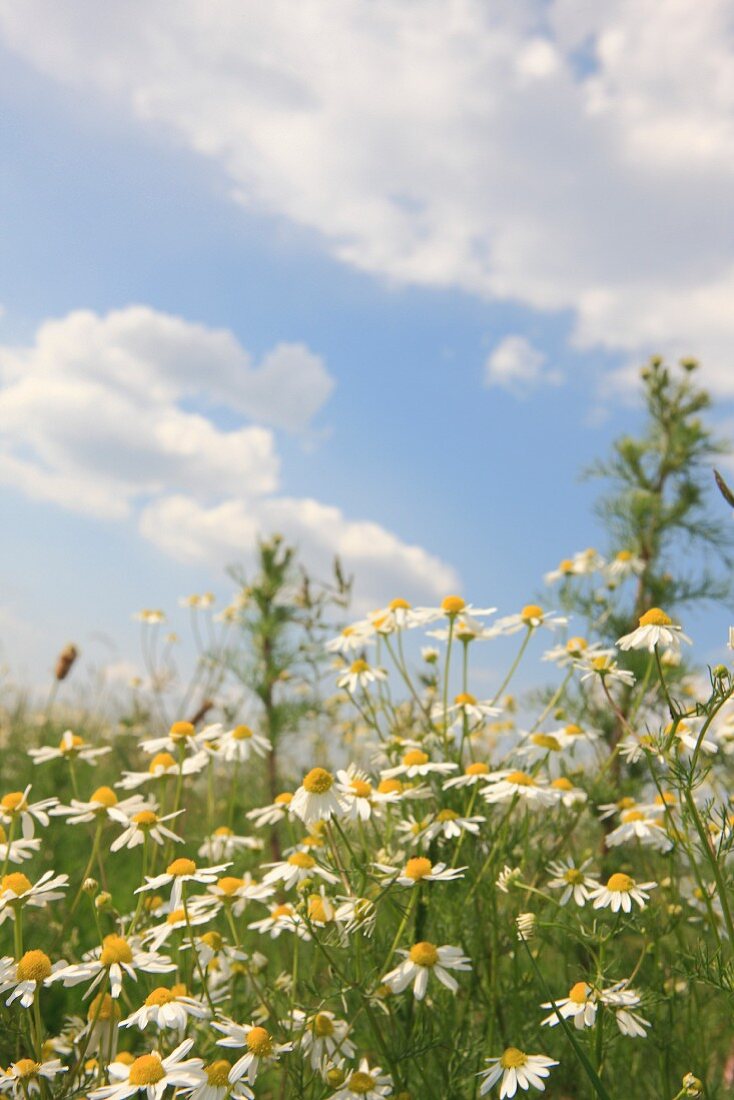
x=332, y=866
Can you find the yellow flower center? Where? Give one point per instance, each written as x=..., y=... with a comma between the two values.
x=33, y=967
x=398, y=604
x=452, y=605
x=655, y=617
x=281, y=911
x=70, y=744
x=361, y=1082
x=161, y=760
x=160, y=996
x=302, y=860
x=322, y=1025
x=465, y=699
x=105, y=796
x=176, y=916
x=417, y=868
x=546, y=741
x=26, y=1067
x=217, y=1073
x=179, y=731
x=147, y=1070
x=520, y=779
x=447, y=815
x=126, y=1057
x=318, y=781
x=115, y=949
x=565, y=566
x=104, y=1007
x=530, y=612
x=284, y=798
x=359, y=666
x=578, y=993
x=212, y=940
x=562, y=784
x=573, y=876
x=390, y=786
x=14, y=802
x=16, y=882
x=480, y=768
x=573, y=730
x=619, y=883
x=145, y=817
x=624, y=555
x=259, y=1042
x=361, y=788
x=625, y=803
x=223, y=830
x=317, y=909
x=513, y=1058
x=242, y=733
x=632, y=815
x=576, y=646
x=423, y=954
x=182, y=866
x=415, y=757
x=229, y=885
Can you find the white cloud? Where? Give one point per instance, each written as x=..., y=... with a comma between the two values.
x=566, y=155
x=519, y=367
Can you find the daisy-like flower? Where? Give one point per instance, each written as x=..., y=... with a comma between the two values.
x=451, y=608
x=573, y=880
x=70, y=747
x=619, y=893
x=537, y=746
x=569, y=795
x=569, y=567
x=150, y=616
x=360, y=674
x=570, y=735
x=146, y=823
x=16, y=807
x=465, y=705
x=422, y=960
x=236, y=892
x=272, y=814
x=282, y=918
x=23, y=1078
x=473, y=774
x=686, y=735
x=623, y=565
x=240, y=744
x=621, y=1000
x=516, y=1069
x=24, y=977
x=656, y=629
x=449, y=825
x=167, y=1008
x=357, y=915
x=353, y=638
x=420, y=869
x=506, y=785
x=575, y=649
x=16, y=890
x=632, y=748
x=465, y=629
x=636, y=825
x=182, y=735
x=606, y=669
x=324, y=1039
x=101, y=1029
x=200, y=911
x=579, y=1006
x=365, y=1083
x=101, y=803
x=116, y=956
x=316, y=799
x=163, y=766
x=295, y=869
x=17, y=851
x=152, y=1073
x=261, y=1048
x=530, y=617
x=182, y=870
x=358, y=796
x=217, y=1086
x=415, y=763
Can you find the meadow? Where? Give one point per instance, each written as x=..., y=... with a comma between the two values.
x=332, y=866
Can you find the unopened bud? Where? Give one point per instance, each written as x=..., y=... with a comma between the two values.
x=525, y=926
x=692, y=1085
x=65, y=660
x=90, y=886
x=103, y=900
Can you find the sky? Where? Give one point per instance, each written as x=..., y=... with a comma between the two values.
x=376, y=274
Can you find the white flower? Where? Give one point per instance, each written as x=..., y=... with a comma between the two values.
x=177, y=873
x=624, y=564
x=224, y=843
x=506, y=785
x=530, y=618
x=324, y=1040
x=579, y=565
x=217, y=1085
x=365, y=1083
x=24, y=977
x=358, y=796
x=465, y=705
x=569, y=795
x=517, y=1070
x=621, y=999
x=146, y=823
x=398, y=615
x=465, y=629
x=261, y=1048
x=152, y=1073
x=357, y=915
x=352, y=638
x=236, y=892
x=636, y=825
x=167, y=1008
x=420, y=962
x=573, y=881
x=17, y=851
x=282, y=918
x=240, y=743
x=296, y=868
x=273, y=813
x=619, y=893
x=163, y=766
x=420, y=869
x=15, y=806
x=200, y=911
x=24, y=1077
x=315, y=799
x=360, y=674
x=579, y=1006
x=182, y=735
x=16, y=890
x=687, y=737
x=70, y=747
x=473, y=774
x=415, y=762
x=575, y=649
x=655, y=629
x=604, y=668
x=449, y=825
x=116, y=956
x=101, y=803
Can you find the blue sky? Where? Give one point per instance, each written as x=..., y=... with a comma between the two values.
x=118, y=191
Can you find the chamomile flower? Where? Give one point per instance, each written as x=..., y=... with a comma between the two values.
x=17, y=851
x=567, y=567
x=621, y=1000
x=365, y=1083
x=273, y=813
x=516, y=1069
x=237, y=892
x=360, y=675
x=200, y=911
x=359, y=798
x=224, y=843
x=116, y=957
x=687, y=734
x=146, y=822
x=316, y=799
x=163, y=766
x=474, y=773
x=465, y=629
x=15, y=806
x=624, y=564
x=573, y=881
x=575, y=649
x=352, y=639
x=167, y=1009
x=181, y=735
x=605, y=669
x=261, y=1049
x=16, y=891
x=420, y=869
x=422, y=960
x=656, y=628
x=569, y=796
x=282, y=918
x=449, y=825
x=295, y=869
x=23, y=1078
x=70, y=747
x=24, y=977
x=538, y=746
x=240, y=743
x=507, y=785
x=182, y=870
x=324, y=1039
x=217, y=1086
x=152, y=1073
x=636, y=825
x=580, y=1006
x=530, y=617
x=619, y=893
x=357, y=915
x=103, y=802
x=415, y=763
x=465, y=705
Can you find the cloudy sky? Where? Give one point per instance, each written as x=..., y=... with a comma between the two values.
x=373, y=273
